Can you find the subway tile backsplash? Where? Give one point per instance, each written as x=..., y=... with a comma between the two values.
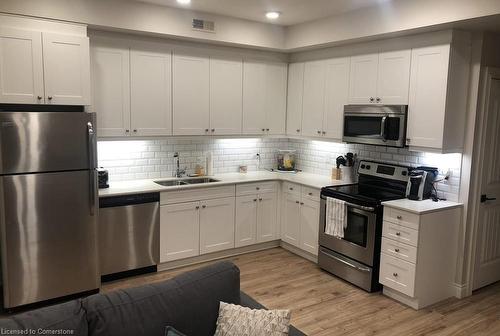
x=142, y=159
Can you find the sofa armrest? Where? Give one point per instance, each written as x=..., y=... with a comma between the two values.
x=248, y=301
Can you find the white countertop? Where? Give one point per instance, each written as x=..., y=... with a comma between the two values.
x=421, y=207
x=144, y=186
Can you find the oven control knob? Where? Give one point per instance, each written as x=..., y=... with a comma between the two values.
x=363, y=166
x=368, y=167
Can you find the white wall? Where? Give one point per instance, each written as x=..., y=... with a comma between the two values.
x=389, y=18
x=150, y=19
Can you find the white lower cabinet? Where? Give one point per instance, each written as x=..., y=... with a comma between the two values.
x=416, y=268
x=300, y=219
x=179, y=231
x=216, y=225
x=256, y=214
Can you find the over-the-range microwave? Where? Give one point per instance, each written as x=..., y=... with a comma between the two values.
x=383, y=125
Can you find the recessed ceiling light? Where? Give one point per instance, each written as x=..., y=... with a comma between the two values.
x=273, y=15
x=184, y=2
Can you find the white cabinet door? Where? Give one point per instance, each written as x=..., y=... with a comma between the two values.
x=393, y=77
x=150, y=91
x=191, y=95
x=21, y=67
x=179, y=231
x=290, y=226
x=111, y=89
x=226, y=96
x=267, y=217
x=427, y=103
x=254, y=97
x=336, y=96
x=246, y=220
x=314, y=98
x=309, y=226
x=363, y=79
x=276, y=98
x=294, y=98
x=66, y=64
x=217, y=225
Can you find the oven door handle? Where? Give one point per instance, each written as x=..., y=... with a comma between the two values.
x=383, y=133
x=356, y=206
x=345, y=262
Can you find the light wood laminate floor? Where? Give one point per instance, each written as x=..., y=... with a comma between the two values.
x=324, y=305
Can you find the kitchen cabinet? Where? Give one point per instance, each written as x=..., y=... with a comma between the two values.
x=217, y=224
x=191, y=95
x=415, y=267
x=256, y=213
x=264, y=98
x=43, y=68
x=295, y=98
x=150, y=91
x=179, y=231
x=438, y=97
x=66, y=66
x=326, y=85
x=381, y=78
x=226, y=83
x=300, y=219
x=111, y=89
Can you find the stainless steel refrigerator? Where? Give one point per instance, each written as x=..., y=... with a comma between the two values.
x=48, y=205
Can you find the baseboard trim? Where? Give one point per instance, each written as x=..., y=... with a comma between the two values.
x=299, y=252
x=217, y=255
x=460, y=290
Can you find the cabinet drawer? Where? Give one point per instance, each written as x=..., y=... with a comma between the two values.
x=310, y=193
x=291, y=188
x=197, y=194
x=400, y=233
x=399, y=250
x=397, y=274
x=256, y=188
x=402, y=217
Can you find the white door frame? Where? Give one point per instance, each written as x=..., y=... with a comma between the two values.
x=487, y=75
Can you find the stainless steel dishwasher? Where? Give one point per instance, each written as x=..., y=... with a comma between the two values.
x=128, y=233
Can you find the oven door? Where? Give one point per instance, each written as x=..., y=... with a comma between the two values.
x=359, y=235
x=378, y=129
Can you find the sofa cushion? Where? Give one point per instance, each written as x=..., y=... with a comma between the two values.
x=68, y=316
x=188, y=302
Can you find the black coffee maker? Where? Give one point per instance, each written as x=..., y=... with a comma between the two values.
x=421, y=183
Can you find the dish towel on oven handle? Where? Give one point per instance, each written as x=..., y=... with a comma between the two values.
x=336, y=217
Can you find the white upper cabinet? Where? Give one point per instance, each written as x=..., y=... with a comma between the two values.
x=380, y=78
x=226, y=109
x=150, y=91
x=438, y=96
x=295, y=98
x=264, y=97
x=111, y=89
x=21, y=68
x=336, y=96
x=393, y=77
x=191, y=95
x=66, y=69
x=314, y=98
x=363, y=82
x=254, y=98
x=276, y=80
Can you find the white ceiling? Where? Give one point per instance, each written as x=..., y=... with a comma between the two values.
x=292, y=11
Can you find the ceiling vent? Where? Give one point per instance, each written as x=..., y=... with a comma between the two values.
x=204, y=25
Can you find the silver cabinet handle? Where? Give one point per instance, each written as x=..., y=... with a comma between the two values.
x=319, y=132
x=310, y=194
x=378, y=99
x=267, y=129
x=39, y=97
x=395, y=274
x=206, y=130
x=399, y=217
x=301, y=203
x=263, y=130
x=49, y=97
x=290, y=188
x=260, y=199
x=371, y=99
x=203, y=206
x=398, y=233
x=127, y=131
x=255, y=200
x=396, y=250
x=257, y=188
x=297, y=202
x=298, y=130
x=213, y=130
x=135, y=131
x=197, y=207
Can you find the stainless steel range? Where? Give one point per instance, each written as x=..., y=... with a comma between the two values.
x=356, y=256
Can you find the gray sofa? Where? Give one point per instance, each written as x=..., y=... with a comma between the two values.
x=188, y=302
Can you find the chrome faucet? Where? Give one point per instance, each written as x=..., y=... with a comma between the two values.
x=178, y=172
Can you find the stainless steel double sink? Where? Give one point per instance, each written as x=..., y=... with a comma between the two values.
x=186, y=181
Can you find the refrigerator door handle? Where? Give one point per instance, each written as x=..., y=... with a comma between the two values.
x=92, y=165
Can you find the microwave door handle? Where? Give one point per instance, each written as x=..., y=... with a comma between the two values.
x=383, y=132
